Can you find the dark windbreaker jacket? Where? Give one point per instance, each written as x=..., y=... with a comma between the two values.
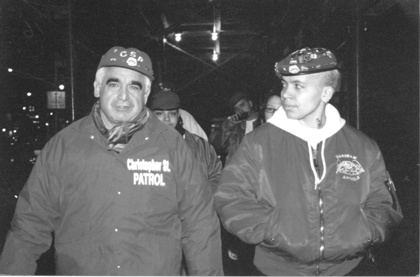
x=131, y=213
x=304, y=221
x=207, y=156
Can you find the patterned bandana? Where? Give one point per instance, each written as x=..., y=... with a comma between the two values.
x=121, y=133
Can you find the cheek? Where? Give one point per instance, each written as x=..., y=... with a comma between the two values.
x=174, y=120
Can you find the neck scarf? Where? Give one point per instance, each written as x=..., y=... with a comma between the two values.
x=121, y=133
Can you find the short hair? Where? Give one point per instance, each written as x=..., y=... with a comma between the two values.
x=101, y=72
x=332, y=79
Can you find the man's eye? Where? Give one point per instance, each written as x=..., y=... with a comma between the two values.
x=133, y=87
x=158, y=113
x=113, y=85
x=173, y=113
x=298, y=86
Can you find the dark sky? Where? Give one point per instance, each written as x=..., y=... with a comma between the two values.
x=255, y=34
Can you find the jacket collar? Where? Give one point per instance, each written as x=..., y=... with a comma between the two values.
x=153, y=125
x=313, y=136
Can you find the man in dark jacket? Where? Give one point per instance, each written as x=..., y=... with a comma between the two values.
x=244, y=120
x=310, y=191
x=166, y=106
x=120, y=190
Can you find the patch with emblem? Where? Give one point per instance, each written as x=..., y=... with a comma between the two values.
x=349, y=166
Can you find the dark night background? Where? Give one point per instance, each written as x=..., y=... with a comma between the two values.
x=376, y=42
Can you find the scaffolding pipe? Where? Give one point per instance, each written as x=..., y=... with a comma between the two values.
x=357, y=50
x=71, y=62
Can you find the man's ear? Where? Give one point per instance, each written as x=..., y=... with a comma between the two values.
x=327, y=94
x=96, y=89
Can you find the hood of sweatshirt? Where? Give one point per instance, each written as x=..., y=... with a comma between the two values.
x=313, y=136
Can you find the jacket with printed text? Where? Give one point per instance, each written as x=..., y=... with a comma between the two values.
x=307, y=219
x=132, y=213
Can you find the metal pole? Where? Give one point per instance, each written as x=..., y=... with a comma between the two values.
x=357, y=65
x=71, y=61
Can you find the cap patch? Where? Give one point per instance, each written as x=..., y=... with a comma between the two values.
x=306, y=61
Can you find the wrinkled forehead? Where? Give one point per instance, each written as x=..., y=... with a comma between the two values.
x=274, y=100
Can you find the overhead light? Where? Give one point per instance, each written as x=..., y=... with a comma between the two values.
x=215, y=57
x=164, y=40
x=178, y=37
x=61, y=87
x=29, y=94
x=214, y=36
x=10, y=70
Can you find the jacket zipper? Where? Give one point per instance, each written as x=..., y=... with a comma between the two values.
x=321, y=209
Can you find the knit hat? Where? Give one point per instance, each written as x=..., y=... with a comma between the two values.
x=306, y=61
x=130, y=58
x=164, y=100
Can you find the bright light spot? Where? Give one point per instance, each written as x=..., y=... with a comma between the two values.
x=15, y=131
x=29, y=94
x=46, y=124
x=10, y=70
x=164, y=40
x=215, y=57
x=214, y=36
x=37, y=116
x=61, y=86
x=51, y=113
x=178, y=37
x=4, y=129
x=67, y=121
x=24, y=108
x=16, y=196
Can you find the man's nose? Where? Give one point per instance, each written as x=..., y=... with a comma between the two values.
x=286, y=93
x=166, y=117
x=122, y=95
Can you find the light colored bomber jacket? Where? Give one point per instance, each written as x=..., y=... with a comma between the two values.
x=304, y=222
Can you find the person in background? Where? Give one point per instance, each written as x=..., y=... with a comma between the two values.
x=121, y=192
x=244, y=120
x=165, y=105
x=310, y=191
x=272, y=104
x=237, y=255
x=189, y=122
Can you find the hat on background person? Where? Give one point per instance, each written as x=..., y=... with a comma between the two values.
x=306, y=61
x=236, y=97
x=164, y=100
x=130, y=58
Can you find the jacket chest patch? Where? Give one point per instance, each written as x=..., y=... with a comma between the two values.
x=349, y=166
x=148, y=173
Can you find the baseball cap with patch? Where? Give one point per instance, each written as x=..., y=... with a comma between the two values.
x=306, y=61
x=130, y=58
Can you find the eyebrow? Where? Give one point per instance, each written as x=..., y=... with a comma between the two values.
x=118, y=81
x=112, y=80
x=293, y=82
x=137, y=83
